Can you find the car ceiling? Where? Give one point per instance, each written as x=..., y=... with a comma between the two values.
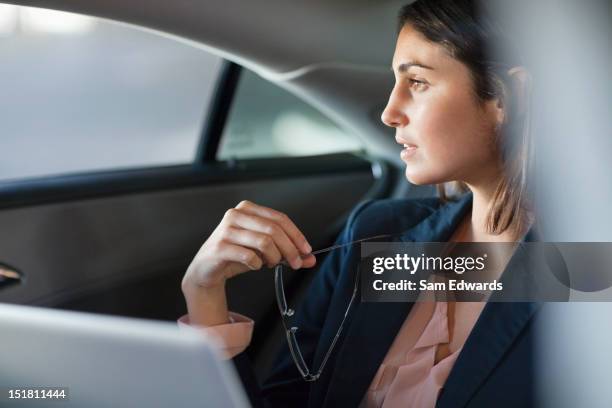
x=334, y=54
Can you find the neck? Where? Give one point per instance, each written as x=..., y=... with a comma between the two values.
x=481, y=201
x=476, y=225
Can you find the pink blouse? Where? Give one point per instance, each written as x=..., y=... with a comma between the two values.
x=408, y=375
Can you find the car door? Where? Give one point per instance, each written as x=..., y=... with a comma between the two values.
x=122, y=155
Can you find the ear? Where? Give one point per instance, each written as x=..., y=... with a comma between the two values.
x=499, y=111
x=516, y=91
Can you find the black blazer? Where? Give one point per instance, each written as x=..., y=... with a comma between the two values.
x=494, y=368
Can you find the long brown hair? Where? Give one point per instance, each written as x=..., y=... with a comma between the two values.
x=473, y=37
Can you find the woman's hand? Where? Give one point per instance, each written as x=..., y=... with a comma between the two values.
x=248, y=237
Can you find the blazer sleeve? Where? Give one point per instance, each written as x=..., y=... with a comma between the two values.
x=285, y=386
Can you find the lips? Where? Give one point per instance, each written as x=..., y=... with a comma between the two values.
x=409, y=148
x=405, y=143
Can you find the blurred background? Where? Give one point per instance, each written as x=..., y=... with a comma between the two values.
x=82, y=94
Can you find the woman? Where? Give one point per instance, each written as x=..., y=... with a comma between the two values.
x=461, y=116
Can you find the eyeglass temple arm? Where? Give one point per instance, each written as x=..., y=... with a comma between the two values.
x=331, y=248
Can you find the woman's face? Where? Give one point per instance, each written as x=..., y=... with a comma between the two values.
x=449, y=134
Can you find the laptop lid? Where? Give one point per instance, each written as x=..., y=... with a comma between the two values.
x=105, y=361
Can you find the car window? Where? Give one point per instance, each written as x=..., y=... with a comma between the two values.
x=82, y=94
x=268, y=121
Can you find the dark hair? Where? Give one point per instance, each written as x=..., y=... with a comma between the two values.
x=471, y=35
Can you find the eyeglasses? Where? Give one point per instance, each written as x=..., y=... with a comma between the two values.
x=287, y=313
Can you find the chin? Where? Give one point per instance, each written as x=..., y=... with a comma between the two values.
x=417, y=178
x=420, y=178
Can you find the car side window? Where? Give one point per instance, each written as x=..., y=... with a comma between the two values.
x=268, y=121
x=84, y=94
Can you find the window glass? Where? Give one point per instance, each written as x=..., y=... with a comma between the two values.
x=83, y=94
x=268, y=121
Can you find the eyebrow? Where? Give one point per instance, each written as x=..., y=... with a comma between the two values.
x=403, y=67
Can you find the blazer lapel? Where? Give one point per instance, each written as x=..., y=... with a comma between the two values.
x=367, y=342
x=376, y=324
x=494, y=332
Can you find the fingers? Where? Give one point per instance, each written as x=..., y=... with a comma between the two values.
x=255, y=240
x=275, y=231
x=239, y=254
x=309, y=261
x=293, y=232
x=264, y=244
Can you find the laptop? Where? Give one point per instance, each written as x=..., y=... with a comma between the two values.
x=71, y=359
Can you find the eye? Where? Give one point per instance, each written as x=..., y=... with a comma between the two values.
x=418, y=85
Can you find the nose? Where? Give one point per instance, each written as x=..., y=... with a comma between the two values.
x=393, y=115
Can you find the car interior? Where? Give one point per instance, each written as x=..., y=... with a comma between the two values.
x=117, y=240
